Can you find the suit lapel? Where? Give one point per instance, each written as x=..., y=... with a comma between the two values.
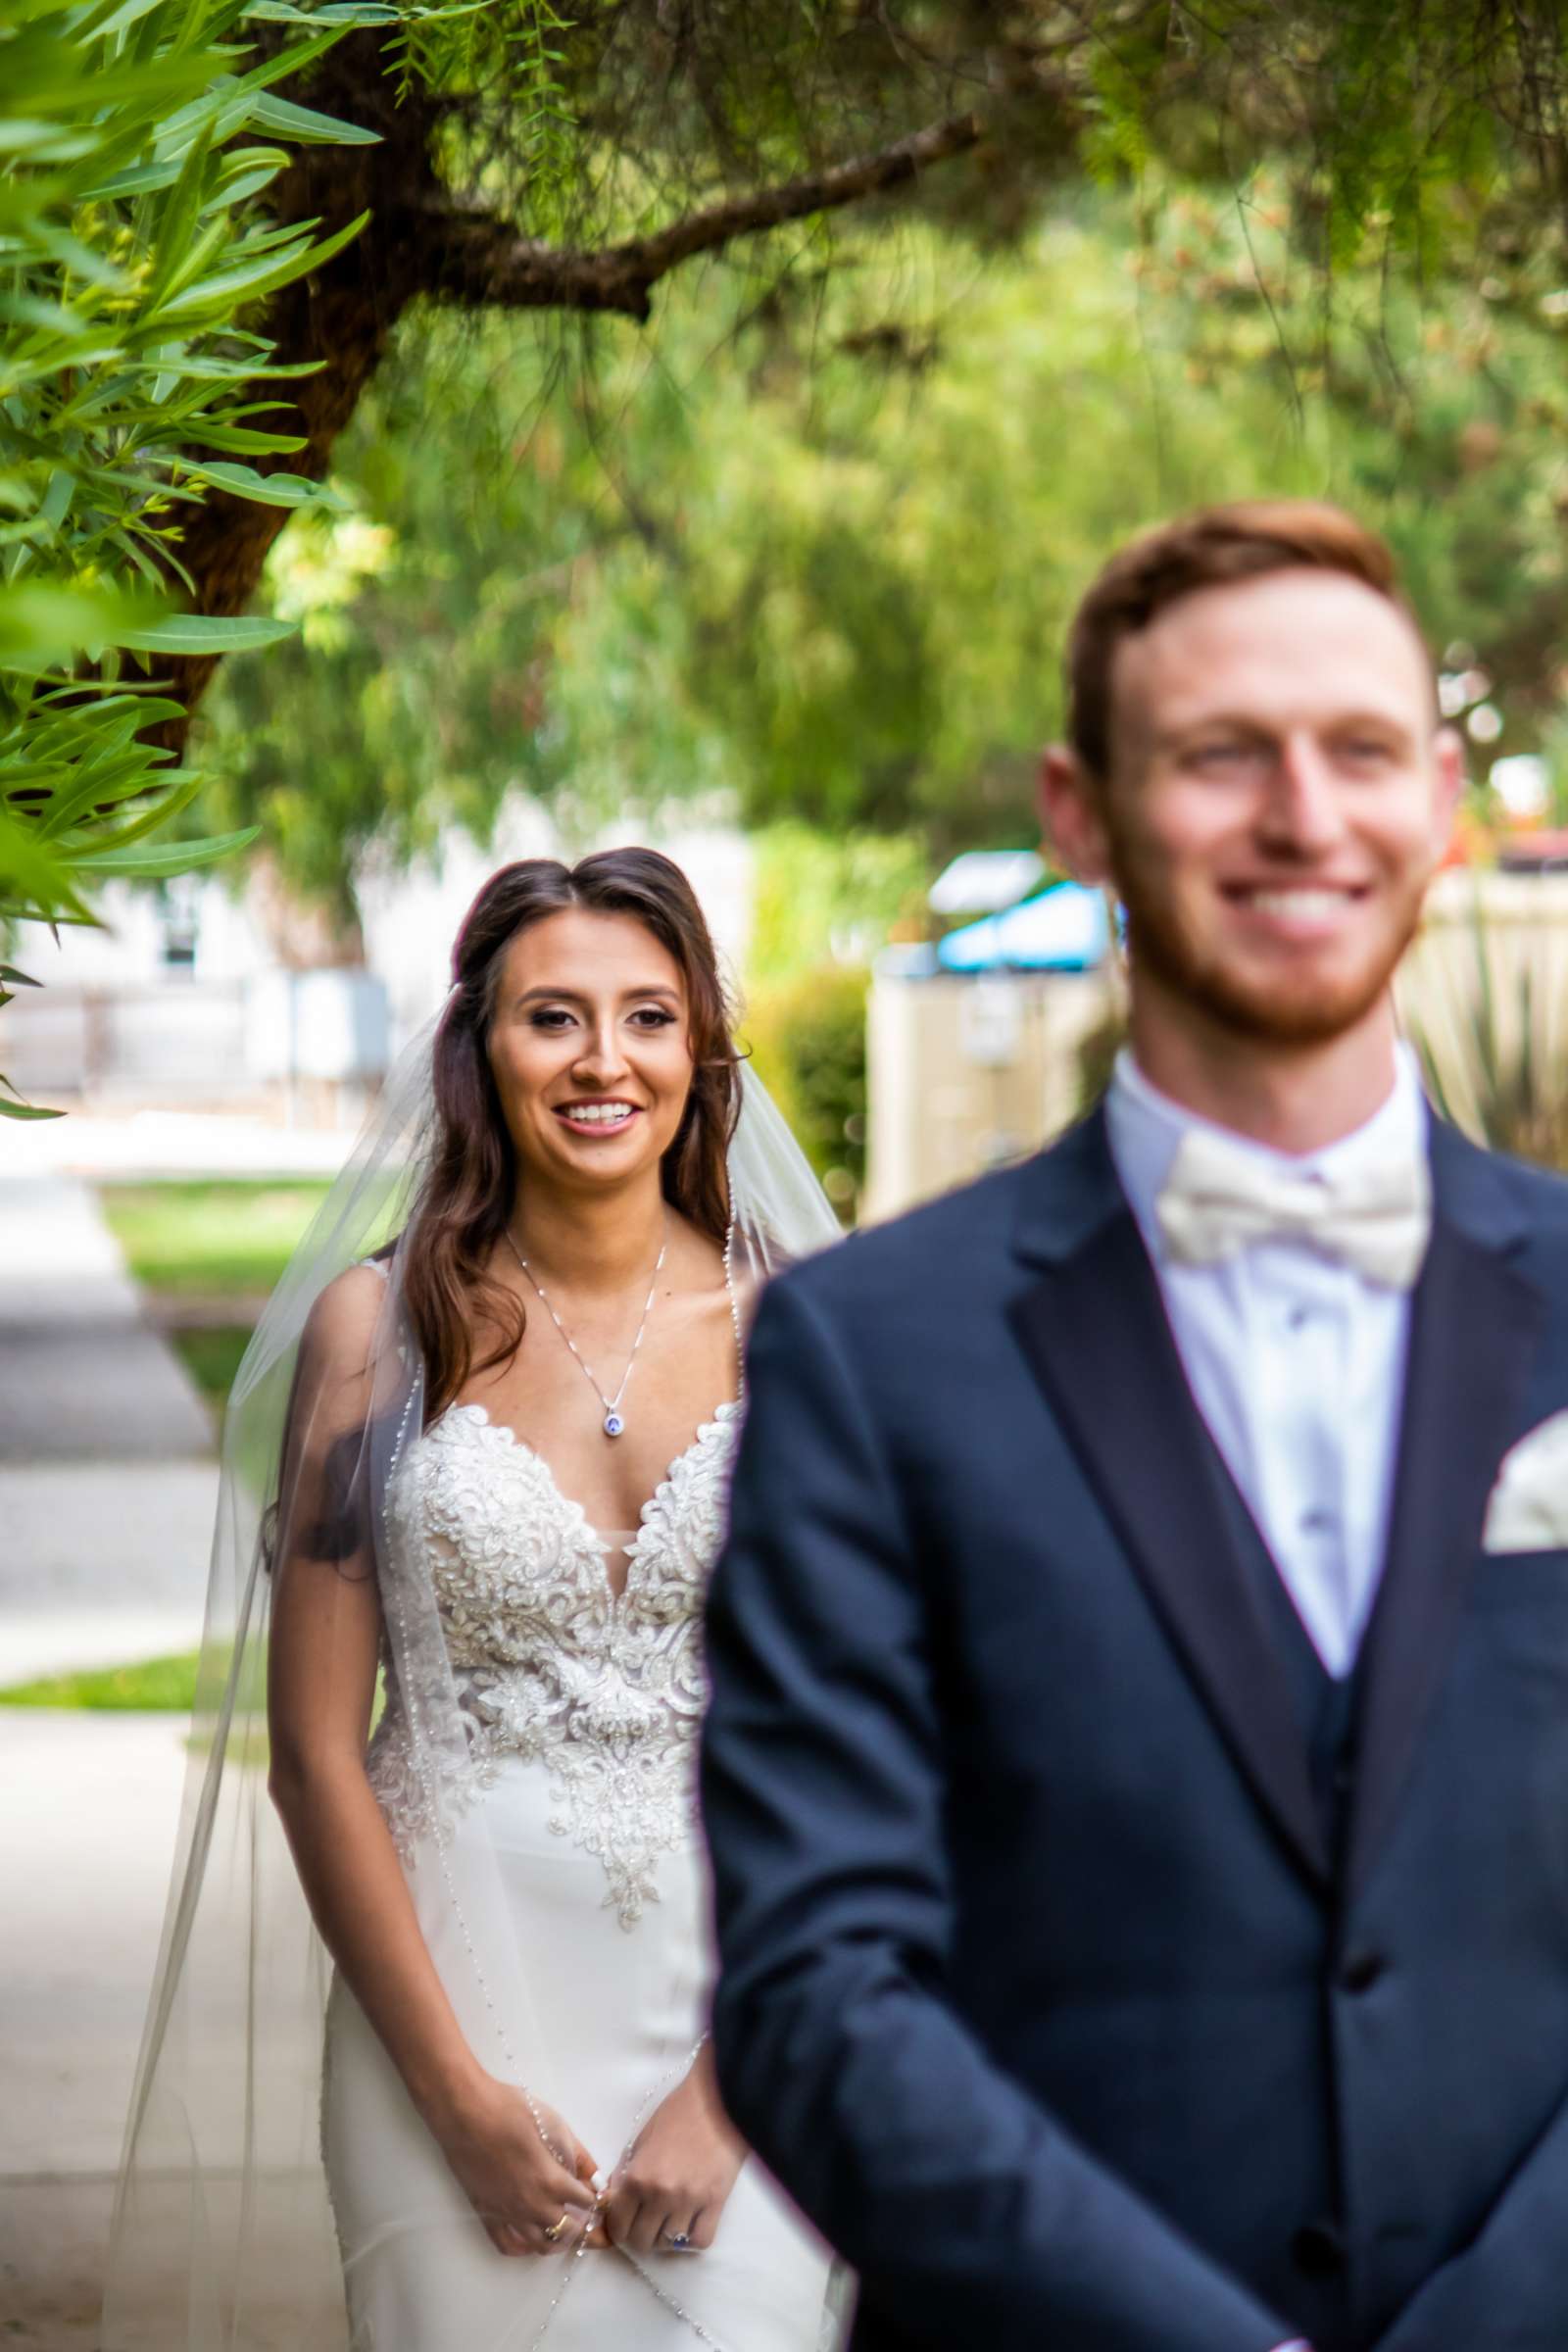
x=1475, y=1325
x=1094, y=1332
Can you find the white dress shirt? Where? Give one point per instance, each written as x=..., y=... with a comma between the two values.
x=1297, y=1362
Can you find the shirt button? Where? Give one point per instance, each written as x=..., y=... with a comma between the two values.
x=1318, y=1523
x=1299, y=1317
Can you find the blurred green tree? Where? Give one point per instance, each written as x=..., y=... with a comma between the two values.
x=541, y=159
x=827, y=581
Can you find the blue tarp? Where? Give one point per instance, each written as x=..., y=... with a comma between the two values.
x=1064, y=930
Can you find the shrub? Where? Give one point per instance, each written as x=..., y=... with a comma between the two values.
x=807, y=1041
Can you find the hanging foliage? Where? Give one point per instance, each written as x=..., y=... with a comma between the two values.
x=136, y=143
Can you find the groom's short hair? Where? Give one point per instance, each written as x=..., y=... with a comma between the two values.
x=1209, y=549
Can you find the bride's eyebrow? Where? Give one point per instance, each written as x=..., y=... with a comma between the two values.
x=575, y=996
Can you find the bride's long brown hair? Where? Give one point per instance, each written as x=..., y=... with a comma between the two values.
x=468, y=1195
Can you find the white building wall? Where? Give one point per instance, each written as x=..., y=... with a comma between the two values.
x=116, y=1014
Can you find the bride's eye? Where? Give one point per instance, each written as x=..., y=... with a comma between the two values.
x=653, y=1017
x=550, y=1016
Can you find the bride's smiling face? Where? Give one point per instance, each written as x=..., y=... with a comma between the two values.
x=589, y=1045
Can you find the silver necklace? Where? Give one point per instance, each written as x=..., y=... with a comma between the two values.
x=614, y=1419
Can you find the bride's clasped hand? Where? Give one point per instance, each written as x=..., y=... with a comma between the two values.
x=671, y=2187
x=537, y=2188
x=519, y=2167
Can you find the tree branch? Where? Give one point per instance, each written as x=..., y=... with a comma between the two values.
x=473, y=258
x=416, y=244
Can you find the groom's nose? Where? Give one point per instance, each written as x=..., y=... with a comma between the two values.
x=1301, y=810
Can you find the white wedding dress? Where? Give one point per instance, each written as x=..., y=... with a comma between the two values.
x=564, y=1896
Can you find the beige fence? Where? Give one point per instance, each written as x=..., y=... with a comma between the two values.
x=967, y=1072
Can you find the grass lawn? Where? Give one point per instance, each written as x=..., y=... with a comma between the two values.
x=210, y=1353
x=207, y=1254
x=168, y=1686
x=162, y=1684
x=201, y=1248
x=154, y=1686
x=209, y=1239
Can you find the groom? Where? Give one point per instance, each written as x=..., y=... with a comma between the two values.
x=1138, y=1768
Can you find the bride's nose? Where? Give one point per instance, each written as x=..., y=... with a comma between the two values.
x=602, y=1056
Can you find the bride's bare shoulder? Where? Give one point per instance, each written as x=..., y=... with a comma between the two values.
x=342, y=1322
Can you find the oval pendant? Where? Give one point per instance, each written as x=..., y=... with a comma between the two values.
x=613, y=1425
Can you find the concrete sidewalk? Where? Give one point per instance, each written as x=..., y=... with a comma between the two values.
x=92, y=1805
x=107, y=1492
x=138, y=1146
x=83, y=1376
x=107, y=1479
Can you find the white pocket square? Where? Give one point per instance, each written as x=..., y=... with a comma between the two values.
x=1528, y=1507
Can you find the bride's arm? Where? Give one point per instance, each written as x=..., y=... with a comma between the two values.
x=321, y=1669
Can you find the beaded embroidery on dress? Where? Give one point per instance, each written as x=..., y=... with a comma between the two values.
x=604, y=1690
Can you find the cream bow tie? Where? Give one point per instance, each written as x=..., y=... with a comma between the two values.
x=1374, y=1221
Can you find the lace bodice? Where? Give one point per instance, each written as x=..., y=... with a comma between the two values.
x=548, y=1662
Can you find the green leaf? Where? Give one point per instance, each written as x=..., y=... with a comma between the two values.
x=48, y=622
x=140, y=181
x=15, y=979
x=229, y=288
x=267, y=489
x=19, y=137
x=55, y=504
x=304, y=124
x=171, y=857
x=33, y=884
x=237, y=187
x=30, y=309
x=163, y=811
x=127, y=770
x=216, y=234
x=207, y=633
x=107, y=25
x=336, y=11
x=241, y=439
x=19, y=1109
x=177, y=221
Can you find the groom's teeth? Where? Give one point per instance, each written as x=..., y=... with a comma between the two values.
x=1312, y=904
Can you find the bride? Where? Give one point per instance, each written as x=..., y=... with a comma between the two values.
x=501, y=1445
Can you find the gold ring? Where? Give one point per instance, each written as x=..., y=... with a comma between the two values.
x=555, y=2235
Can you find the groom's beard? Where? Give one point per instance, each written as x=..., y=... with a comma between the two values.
x=1309, y=1007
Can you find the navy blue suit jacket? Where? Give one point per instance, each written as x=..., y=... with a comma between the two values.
x=1044, y=1990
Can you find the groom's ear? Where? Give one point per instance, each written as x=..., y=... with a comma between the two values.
x=1072, y=820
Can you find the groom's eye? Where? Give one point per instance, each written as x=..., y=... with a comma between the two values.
x=1226, y=757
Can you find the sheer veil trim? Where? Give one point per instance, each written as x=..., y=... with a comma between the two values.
x=222, y=2232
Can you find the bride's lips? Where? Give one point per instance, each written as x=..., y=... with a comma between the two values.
x=598, y=1116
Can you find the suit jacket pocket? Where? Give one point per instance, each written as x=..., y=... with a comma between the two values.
x=1513, y=1579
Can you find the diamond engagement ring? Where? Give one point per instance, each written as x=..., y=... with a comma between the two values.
x=679, y=2241
x=553, y=2236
